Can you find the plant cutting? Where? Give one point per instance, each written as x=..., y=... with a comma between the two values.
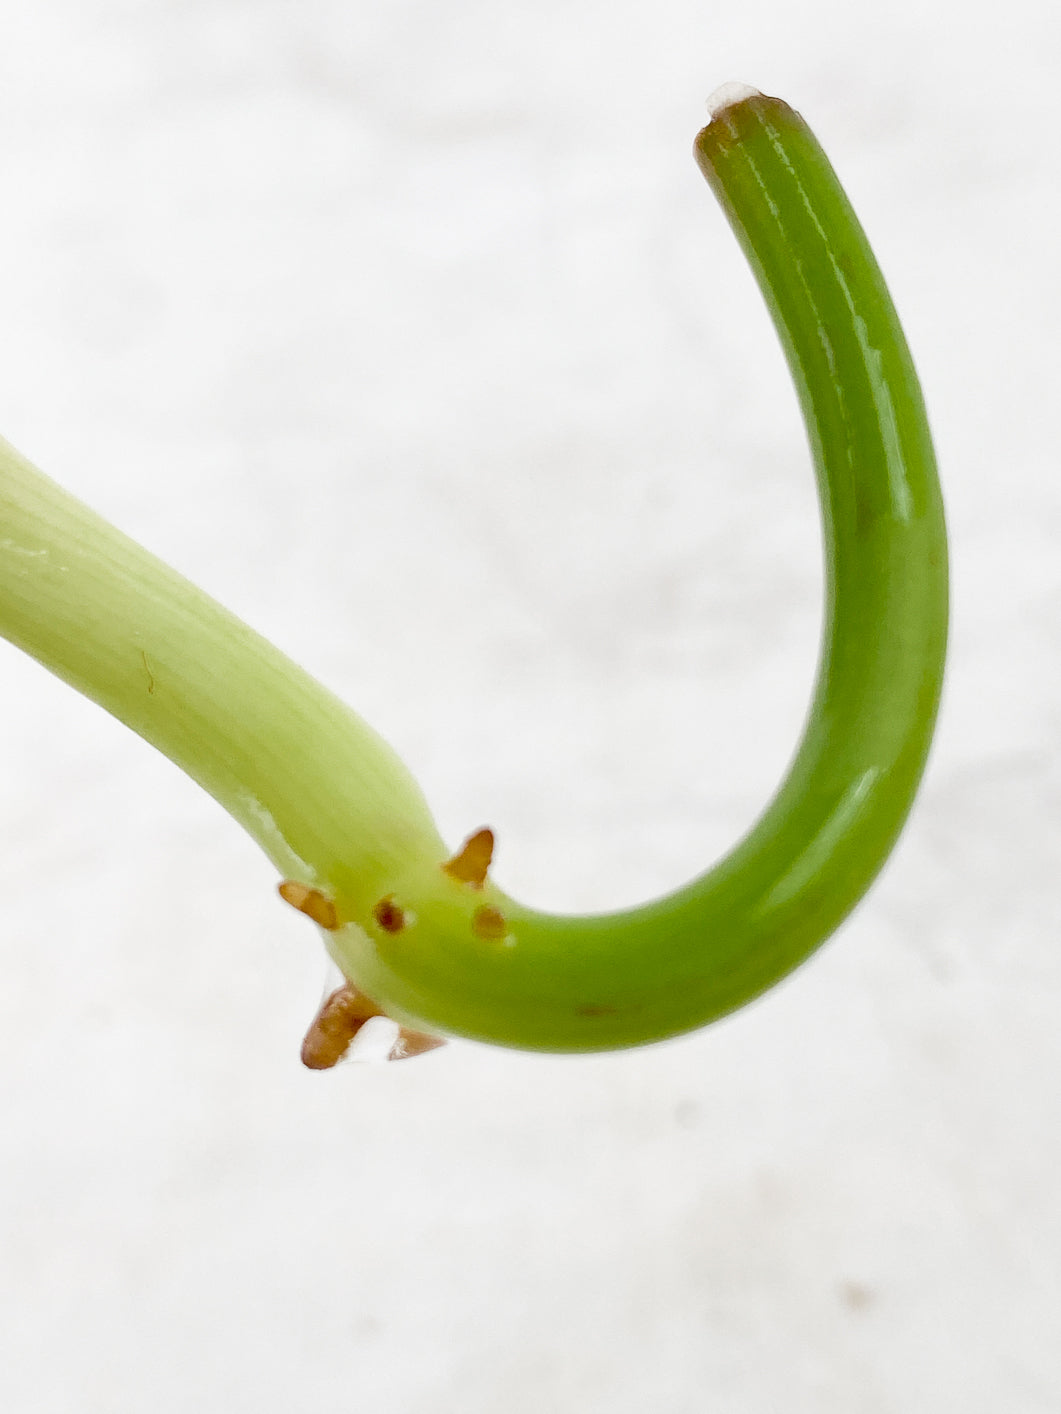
x=421, y=931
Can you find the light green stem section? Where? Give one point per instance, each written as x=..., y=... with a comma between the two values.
x=326, y=798
x=333, y=808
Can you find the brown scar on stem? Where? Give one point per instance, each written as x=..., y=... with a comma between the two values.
x=472, y=860
x=489, y=923
x=590, y=1010
x=147, y=670
x=311, y=902
x=389, y=915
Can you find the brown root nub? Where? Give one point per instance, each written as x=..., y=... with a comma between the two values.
x=389, y=915
x=340, y=1018
x=470, y=863
x=311, y=902
x=414, y=1043
x=489, y=923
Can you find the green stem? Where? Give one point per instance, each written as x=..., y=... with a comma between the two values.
x=324, y=796
x=333, y=807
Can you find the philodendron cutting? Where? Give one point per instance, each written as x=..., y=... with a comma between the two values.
x=420, y=931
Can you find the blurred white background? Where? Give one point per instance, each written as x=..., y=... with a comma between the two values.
x=413, y=334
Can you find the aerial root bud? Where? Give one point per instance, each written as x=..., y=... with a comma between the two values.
x=470, y=863
x=311, y=902
x=489, y=923
x=340, y=1018
x=389, y=915
x=414, y=1043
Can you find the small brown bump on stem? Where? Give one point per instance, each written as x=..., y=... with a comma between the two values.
x=489, y=923
x=414, y=1043
x=340, y=1018
x=470, y=863
x=389, y=915
x=311, y=902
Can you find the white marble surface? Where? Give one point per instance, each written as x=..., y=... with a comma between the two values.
x=412, y=333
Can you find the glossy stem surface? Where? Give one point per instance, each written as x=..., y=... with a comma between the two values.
x=578, y=983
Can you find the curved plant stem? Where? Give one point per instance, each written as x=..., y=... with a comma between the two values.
x=435, y=943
